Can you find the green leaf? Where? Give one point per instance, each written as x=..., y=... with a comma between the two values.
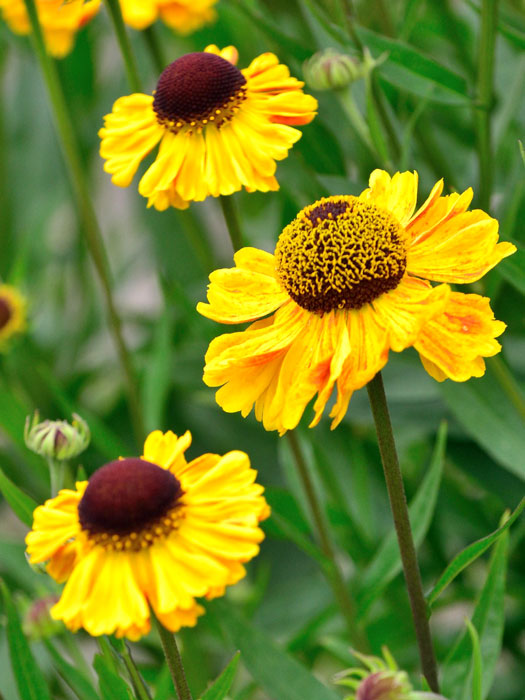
x=386, y=564
x=112, y=687
x=29, y=678
x=488, y=619
x=223, y=683
x=476, y=669
x=279, y=674
x=22, y=504
x=487, y=414
x=470, y=554
x=72, y=676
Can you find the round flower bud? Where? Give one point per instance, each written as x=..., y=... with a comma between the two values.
x=57, y=439
x=331, y=70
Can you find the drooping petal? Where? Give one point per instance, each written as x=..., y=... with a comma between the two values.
x=186, y=16
x=453, y=344
x=139, y=14
x=405, y=310
x=396, y=194
x=461, y=248
x=129, y=133
x=246, y=292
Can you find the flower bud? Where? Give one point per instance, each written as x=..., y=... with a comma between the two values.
x=57, y=439
x=331, y=70
x=37, y=622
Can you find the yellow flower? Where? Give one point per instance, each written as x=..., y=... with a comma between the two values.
x=219, y=128
x=349, y=282
x=184, y=16
x=152, y=531
x=12, y=313
x=59, y=20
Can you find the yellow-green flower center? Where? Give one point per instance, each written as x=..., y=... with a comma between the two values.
x=129, y=503
x=340, y=253
x=5, y=313
x=197, y=89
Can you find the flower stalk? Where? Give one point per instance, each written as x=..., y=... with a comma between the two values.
x=174, y=660
x=125, y=46
x=86, y=212
x=398, y=504
x=232, y=222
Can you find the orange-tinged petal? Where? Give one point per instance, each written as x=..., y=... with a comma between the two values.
x=406, y=309
x=435, y=211
x=460, y=250
x=396, y=194
x=453, y=344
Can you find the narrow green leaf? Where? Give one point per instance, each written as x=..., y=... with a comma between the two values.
x=470, y=554
x=386, y=564
x=29, y=678
x=279, y=674
x=488, y=415
x=78, y=683
x=476, y=668
x=488, y=619
x=22, y=504
x=112, y=687
x=157, y=374
x=223, y=683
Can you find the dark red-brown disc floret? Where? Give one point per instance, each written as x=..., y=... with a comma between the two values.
x=5, y=313
x=126, y=496
x=194, y=86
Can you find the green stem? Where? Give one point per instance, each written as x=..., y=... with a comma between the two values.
x=155, y=49
x=124, y=44
x=139, y=686
x=232, y=222
x=171, y=652
x=398, y=504
x=334, y=574
x=60, y=475
x=359, y=124
x=484, y=98
x=508, y=383
x=86, y=212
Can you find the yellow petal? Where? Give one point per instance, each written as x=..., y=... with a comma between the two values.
x=396, y=194
x=166, y=449
x=454, y=343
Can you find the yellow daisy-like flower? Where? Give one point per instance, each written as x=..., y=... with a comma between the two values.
x=12, y=313
x=184, y=16
x=349, y=281
x=219, y=128
x=151, y=531
x=60, y=20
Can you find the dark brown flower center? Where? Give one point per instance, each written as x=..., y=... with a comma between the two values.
x=196, y=89
x=5, y=313
x=127, y=496
x=340, y=253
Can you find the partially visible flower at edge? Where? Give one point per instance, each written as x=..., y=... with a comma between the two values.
x=350, y=281
x=380, y=680
x=220, y=129
x=12, y=313
x=56, y=439
x=184, y=16
x=60, y=20
x=151, y=531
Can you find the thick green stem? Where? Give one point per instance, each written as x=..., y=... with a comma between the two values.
x=334, y=574
x=484, y=98
x=173, y=658
x=398, y=504
x=155, y=49
x=359, y=124
x=125, y=46
x=60, y=475
x=232, y=222
x=86, y=212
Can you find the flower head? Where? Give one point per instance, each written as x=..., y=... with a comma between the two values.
x=57, y=439
x=219, y=128
x=151, y=531
x=60, y=20
x=184, y=16
x=12, y=313
x=351, y=280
